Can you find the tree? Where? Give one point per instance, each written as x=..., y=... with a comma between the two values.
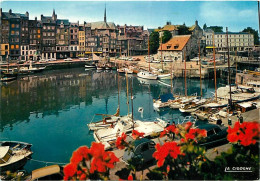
x=204, y=26
x=254, y=32
x=154, y=42
x=183, y=30
x=216, y=28
x=166, y=36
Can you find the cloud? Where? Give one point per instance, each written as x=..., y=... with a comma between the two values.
x=227, y=14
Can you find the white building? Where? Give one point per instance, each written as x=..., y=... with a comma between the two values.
x=238, y=41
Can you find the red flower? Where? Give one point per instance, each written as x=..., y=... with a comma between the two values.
x=167, y=149
x=69, y=170
x=188, y=125
x=79, y=154
x=130, y=177
x=121, y=141
x=97, y=149
x=163, y=133
x=169, y=130
x=193, y=134
x=137, y=135
x=110, y=159
x=83, y=177
x=246, y=133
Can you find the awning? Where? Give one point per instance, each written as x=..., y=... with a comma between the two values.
x=210, y=47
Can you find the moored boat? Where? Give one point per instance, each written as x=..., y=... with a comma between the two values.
x=14, y=155
x=147, y=75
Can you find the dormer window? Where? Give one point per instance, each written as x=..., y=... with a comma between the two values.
x=176, y=46
x=168, y=46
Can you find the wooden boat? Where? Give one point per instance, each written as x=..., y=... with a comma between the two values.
x=147, y=75
x=53, y=172
x=108, y=136
x=193, y=105
x=164, y=101
x=176, y=104
x=14, y=155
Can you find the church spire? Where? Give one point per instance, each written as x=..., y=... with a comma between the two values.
x=105, y=15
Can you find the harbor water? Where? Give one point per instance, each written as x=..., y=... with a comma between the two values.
x=51, y=110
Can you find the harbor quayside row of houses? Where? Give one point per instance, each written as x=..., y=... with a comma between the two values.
x=50, y=38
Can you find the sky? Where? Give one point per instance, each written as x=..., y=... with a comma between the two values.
x=236, y=15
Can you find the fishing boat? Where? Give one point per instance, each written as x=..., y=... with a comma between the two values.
x=52, y=172
x=193, y=105
x=31, y=69
x=164, y=101
x=147, y=75
x=14, y=155
x=178, y=102
x=93, y=66
x=108, y=136
x=165, y=76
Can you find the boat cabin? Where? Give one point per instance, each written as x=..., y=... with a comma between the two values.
x=5, y=154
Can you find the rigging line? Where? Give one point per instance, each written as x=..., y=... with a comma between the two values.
x=40, y=161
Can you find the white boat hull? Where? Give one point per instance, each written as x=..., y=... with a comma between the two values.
x=147, y=75
x=165, y=76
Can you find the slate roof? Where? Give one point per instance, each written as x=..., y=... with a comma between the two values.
x=47, y=19
x=176, y=43
x=64, y=21
x=103, y=25
x=7, y=15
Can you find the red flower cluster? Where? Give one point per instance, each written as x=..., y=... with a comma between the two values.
x=167, y=149
x=137, y=135
x=100, y=160
x=121, y=141
x=246, y=133
x=193, y=134
x=170, y=130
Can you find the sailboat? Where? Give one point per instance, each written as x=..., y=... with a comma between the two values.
x=147, y=74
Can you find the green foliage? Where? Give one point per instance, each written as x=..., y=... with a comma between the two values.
x=166, y=36
x=204, y=26
x=216, y=28
x=183, y=30
x=254, y=32
x=154, y=42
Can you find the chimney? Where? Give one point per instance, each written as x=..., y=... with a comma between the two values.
x=35, y=18
x=10, y=11
x=27, y=14
x=196, y=23
x=41, y=16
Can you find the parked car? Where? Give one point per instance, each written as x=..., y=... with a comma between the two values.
x=215, y=134
x=143, y=153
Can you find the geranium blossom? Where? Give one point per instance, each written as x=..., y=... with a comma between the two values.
x=195, y=134
x=120, y=142
x=167, y=149
x=136, y=134
x=69, y=171
x=79, y=154
x=246, y=133
x=172, y=129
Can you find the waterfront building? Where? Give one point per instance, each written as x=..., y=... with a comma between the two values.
x=35, y=40
x=24, y=47
x=82, y=40
x=238, y=41
x=62, y=39
x=176, y=47
x=131, y=40
x=74, y=39
x=11, y=34
x=49, y=36
x=173, y=29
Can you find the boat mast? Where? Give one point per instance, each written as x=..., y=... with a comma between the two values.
x=161, y=53
x=229, y=76
x=132, y=103
x=215, y=73
x=236, y=65
x=127, y=95
x=118, y=92
x=185, y=74
x=149, y=51
x=171, y=78
x=200, y=71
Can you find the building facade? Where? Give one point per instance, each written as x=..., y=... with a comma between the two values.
x=237, y=41
x=62, y=39
x=49, y=36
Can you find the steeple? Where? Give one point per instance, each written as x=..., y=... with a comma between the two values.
x=105, y=15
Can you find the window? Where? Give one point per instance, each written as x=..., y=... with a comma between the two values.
x=39, y=36
x=12, y=46
x=12, y=32
x=12, y=25
x=39, y=31
x=17, y=46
